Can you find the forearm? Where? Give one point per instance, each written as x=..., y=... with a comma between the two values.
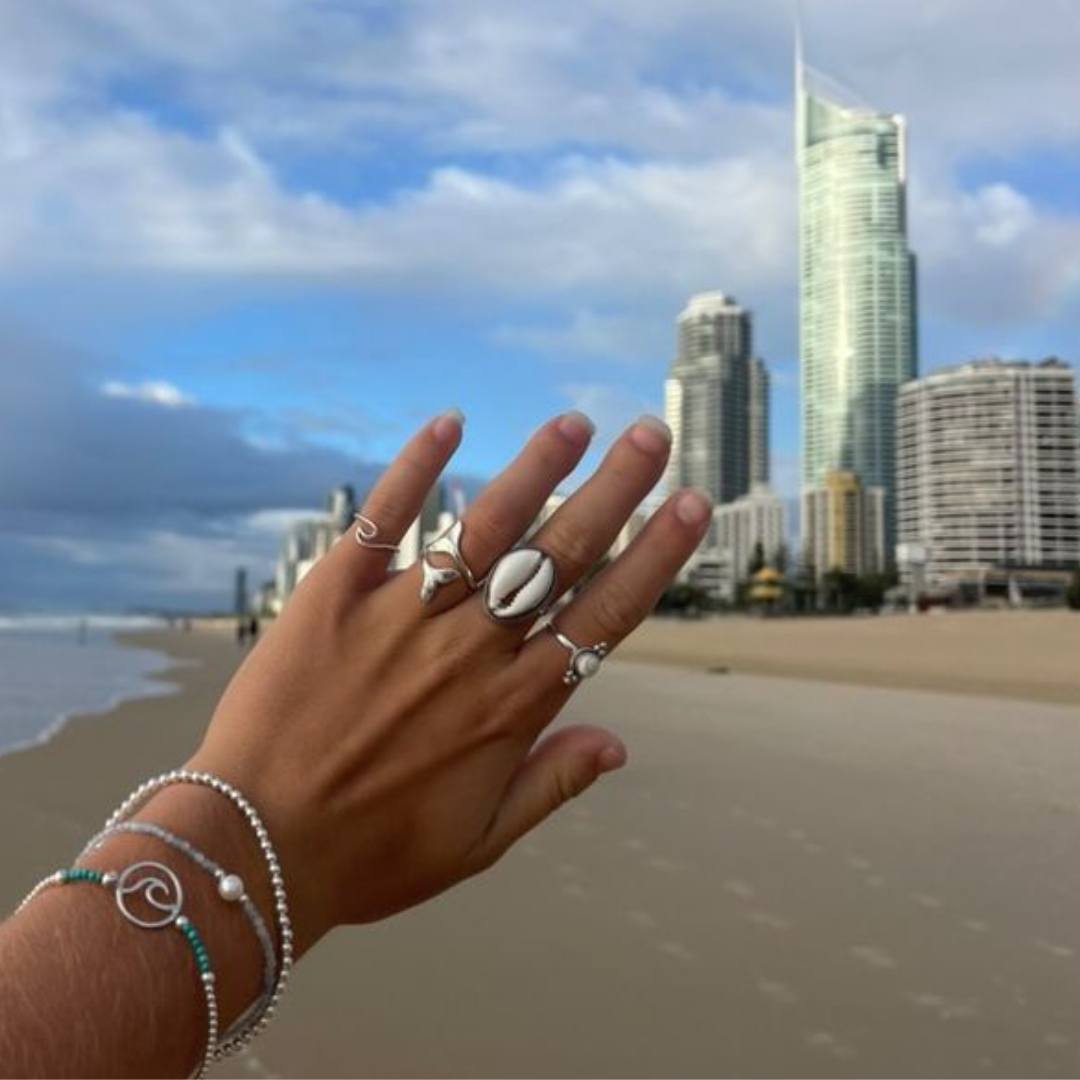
x=84, y=992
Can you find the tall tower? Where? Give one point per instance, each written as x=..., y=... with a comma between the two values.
x=708, y=397
x=857, y=300
x=759, y=423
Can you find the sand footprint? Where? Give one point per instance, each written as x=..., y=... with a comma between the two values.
x=777, y=991
x=873, y=956
x=767, y=919
x=830, y=1043
x=677, y=950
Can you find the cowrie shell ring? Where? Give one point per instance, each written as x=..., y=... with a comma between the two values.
x=520, y=585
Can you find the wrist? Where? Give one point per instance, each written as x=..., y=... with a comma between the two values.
x=193, y=815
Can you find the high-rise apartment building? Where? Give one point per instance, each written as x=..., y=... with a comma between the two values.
x=717, y=401
x=988, y=475
x=857, y=301
x=843, y=526
x=759, y=423
x=758, y=518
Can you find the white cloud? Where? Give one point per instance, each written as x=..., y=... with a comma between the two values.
x=153, y=393
x=1000, y=214
x=678, y=118
x=623, y=338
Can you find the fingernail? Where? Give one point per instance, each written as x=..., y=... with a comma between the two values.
x=612, y=757
x=650, y=434
x=693, y=507
x=576, y=427
x=449, y=425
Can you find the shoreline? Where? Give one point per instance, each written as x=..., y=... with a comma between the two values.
x=150, y=685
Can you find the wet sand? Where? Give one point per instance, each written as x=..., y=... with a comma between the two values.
x=791, y=877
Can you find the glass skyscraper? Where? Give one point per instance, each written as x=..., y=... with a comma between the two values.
x=857, y=303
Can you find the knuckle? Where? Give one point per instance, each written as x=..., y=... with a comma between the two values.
x=569, y=784
x=487, y=531
x=573, y=549
x=616, y=609
x=389, y=511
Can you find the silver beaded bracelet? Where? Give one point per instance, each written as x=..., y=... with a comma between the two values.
x=277, y=881
x=230, y=888
x=163, y=900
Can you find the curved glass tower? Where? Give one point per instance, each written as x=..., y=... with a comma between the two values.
x=857, y=309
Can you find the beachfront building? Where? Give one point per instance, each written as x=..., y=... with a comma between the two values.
x=843, y=526
x=988, y=477
x=760, y=399
x=739, y=527
x=857, y=304
x=717, y=401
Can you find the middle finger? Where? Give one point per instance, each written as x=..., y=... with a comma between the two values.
x=579, y=533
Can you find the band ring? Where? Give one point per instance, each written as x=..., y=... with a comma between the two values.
x=584, y=660
x=446, y=543
x=367, y=532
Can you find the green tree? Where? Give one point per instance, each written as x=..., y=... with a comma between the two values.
x=840, y=590
x=757, y=559
x=782, y=558
x=1072, y=594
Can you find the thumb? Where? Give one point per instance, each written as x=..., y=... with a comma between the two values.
x=561, y=766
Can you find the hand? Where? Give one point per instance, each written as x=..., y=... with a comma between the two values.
x=394, y=749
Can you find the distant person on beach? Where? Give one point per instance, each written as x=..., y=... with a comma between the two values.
x=386, y=739
x=241, y=631
x=253, y=629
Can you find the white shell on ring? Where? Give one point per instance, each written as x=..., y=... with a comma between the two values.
x=231, y=887
x=521, y=583
x=586, y=664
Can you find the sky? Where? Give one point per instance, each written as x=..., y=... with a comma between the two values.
x=247, y=247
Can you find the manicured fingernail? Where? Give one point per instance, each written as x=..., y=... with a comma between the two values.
x=692, y=507
x=576, y=427
x=449, y=425
x=650, y=434
x=612, y=757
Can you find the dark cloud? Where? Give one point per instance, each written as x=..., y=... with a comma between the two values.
x=117, y=501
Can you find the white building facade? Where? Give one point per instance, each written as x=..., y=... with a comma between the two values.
x=987, y=468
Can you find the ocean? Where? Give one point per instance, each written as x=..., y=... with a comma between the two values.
x=52, y=667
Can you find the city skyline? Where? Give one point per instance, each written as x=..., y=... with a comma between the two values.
x=239, y=272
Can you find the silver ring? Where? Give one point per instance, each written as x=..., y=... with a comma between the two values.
x=584, y=660
x=366, y=533
x=520, y=585
x=448, y=543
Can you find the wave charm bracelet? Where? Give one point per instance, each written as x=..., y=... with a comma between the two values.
x=161, y=906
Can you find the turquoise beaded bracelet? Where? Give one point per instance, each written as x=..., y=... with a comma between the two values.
x=162, y=897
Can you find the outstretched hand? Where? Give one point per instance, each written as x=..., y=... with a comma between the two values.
x=395, y=748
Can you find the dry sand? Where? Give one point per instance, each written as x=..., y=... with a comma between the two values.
x=790, y=877
x=1029, y=655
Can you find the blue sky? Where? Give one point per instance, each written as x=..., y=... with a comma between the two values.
x=290, y=231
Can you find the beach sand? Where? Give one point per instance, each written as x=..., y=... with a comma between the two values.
x=791, y=877
x=1027, y=655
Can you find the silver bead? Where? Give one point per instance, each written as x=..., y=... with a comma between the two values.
x=109, y=877
x=231, y=887
x=208, y=977
x=182, y=921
